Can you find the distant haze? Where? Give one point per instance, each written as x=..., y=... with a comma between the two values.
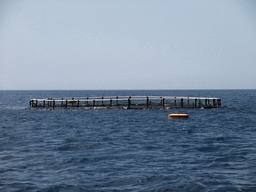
x=127, y=44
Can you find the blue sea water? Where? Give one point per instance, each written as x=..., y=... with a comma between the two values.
x=128, y=150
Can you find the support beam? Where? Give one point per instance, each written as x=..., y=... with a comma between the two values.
x=219, y=102
x=129, y=103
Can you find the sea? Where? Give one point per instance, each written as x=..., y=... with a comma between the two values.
x=66, y=150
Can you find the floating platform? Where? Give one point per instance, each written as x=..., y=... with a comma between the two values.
x=127, y=102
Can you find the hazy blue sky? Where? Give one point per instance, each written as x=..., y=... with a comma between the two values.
x=127, y=44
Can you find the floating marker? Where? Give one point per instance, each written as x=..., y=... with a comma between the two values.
x=178, y=116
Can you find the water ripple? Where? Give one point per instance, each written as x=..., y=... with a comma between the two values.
x=128, y=150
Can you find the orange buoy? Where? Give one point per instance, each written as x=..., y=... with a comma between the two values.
x=178, y=116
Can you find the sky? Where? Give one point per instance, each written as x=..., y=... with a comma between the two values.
x=127, y=44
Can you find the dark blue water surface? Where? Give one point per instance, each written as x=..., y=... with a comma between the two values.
x=128, y=150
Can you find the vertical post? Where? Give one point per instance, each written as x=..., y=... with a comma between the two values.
x=93, y=103
x=116, y=100
x=102, y=101
x=195, y=102
x=66, y=104
x=129, y=102
x=163, y=102
x=110, y=102
x=219, y=102
x=181, y=102
x=200, y=103
x=77, y=103
x=205, y=101
x=53, y=103
x=147, y=101
x=44, y=104
x=214, y=103
x=36, y=103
